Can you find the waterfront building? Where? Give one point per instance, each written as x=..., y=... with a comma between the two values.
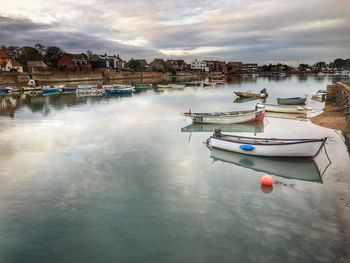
x=74, y=62
x=157, y=64
x=178, y=64
x=199, y=65
x=215, y=65
x=36, y=66
x=234, y=67
x=106, y=62
x=250, y=68
x=8, y=63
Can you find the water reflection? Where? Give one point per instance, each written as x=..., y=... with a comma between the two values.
x=300, y=169
x=253, y=127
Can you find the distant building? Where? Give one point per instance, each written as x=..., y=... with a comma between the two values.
x=215, y=65
x=157, y=64
x=199, y=65
x=74, y=62
x=179, y=64
x=250, y=68
x=106, y=62
x=36, y=66
x=8, y=63
x=234, y=67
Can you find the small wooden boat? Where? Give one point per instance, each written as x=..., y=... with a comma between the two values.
x=248, y=94
x=290, y=168
x=266, y=146
x=249, y=127
x=5, y=90
x=293, y=109
x=230, y=117
x=159, y=86
x=291, y=101
x=295, y=116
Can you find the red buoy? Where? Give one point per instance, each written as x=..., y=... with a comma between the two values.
x=267, y=180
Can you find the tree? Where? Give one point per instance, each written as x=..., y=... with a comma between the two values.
x=304, y=66
x=339, y=63
x=135, y=65
x=28, y=53
x=89, y=53
x=52, y=56
x=41, y=49
x=14, y=51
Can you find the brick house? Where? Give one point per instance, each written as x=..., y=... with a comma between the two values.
x=74, y=62
x=7, y=63
x=179, y=64
x=215, y=65
x=158, y=64
x=234, y=67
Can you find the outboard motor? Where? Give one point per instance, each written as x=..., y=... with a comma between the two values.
x=217, y=133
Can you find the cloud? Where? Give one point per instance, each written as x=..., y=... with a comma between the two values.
x=261, y=31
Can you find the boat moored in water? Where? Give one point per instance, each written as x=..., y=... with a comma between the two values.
x=229, y=117
x=293, y=109
x=249, y=127
x=249, y=94
x=266, y=146
x=291, y=101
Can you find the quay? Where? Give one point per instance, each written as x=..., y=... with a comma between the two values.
x=336, y=113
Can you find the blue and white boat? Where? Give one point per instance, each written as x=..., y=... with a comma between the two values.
x=68, y=89
x=5, y=90
x=119, y=90
x=47, y=90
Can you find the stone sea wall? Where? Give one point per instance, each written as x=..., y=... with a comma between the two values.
x=343, y=102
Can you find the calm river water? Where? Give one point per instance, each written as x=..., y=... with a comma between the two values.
x=127, y=179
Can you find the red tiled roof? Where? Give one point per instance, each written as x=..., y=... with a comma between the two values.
x=4, y=54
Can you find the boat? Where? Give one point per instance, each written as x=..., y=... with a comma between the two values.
x=249, y=127
x=266, y=146
x=293, y=109
x=248, y=94
x=291, y=101
x=289, y=168
x=230, y=117
x=319, y=95
x=5, y=90
x=143, y=86
x=68, y=89
x=296, y=116
x=160, y=86
x=119, y=90
x=177, y=86
x=47, y=90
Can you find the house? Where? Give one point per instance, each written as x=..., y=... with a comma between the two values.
x=250, y=68
x=36, y=66
x=199, y=65
x=158, y=64
x=7, y=63
x=178, y=64
x=215, y=65
x=234, y=67
x=106, y=62
x=74, y=62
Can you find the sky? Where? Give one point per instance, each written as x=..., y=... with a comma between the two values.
x=265, y=31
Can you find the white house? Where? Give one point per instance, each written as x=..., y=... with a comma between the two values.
x=199, y=65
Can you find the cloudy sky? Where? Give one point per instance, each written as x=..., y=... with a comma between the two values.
x=263, y=31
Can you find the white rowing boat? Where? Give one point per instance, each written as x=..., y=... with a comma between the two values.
x=230, y=117
x=296, y=109
x=266, y=146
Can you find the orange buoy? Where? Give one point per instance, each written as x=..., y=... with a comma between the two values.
x=267, y=180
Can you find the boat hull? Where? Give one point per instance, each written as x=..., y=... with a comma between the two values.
x=267, y=147
x=286, y=109
x=291, y=101
x=227, y=117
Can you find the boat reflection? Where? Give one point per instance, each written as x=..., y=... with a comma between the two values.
x=299, y=169
x=253, y=127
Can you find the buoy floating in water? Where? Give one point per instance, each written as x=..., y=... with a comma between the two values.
x=267, y=180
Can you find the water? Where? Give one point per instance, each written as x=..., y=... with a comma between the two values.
x=116, y=180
